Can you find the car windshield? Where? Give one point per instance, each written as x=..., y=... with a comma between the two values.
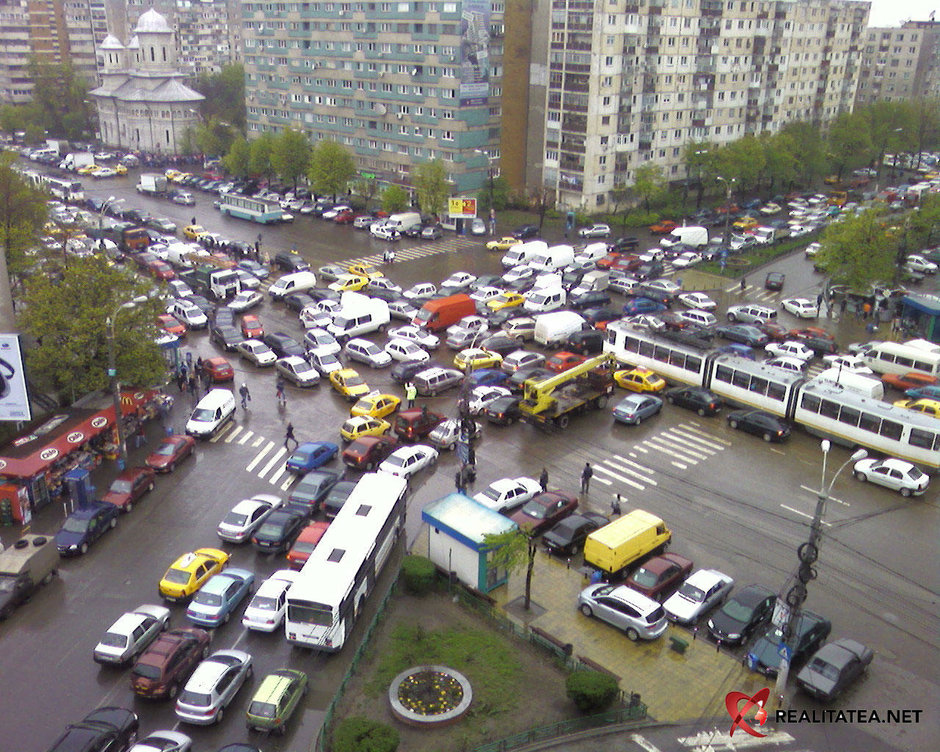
x=203, y=415
x=207, y=599
x=269, y=530
x=114, y=640
x=826, y=669
x=691, y=592
x=395, y=461
x=354, y=381
x=146, y=672
x=262, y=709
x=73, y=525
x=121, y=486
x=536, y=510
x=302, y=547
x=177, y=576
x=737, y=611
x=199, y=699
x=166, y=449
x=645, y=578
x=235, y=519
x=264, y=603
x=493, y=493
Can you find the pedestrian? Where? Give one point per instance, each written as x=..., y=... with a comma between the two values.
x=193, y=221
x=615, y=505
x=279, y=392
x=199, y=364
x=866, y=310
x=181, y=379
x=246, y=395
x=858, y=312
x=743, y=284
x=460, y=481
x=385, y=258
x=391, y=256
x=843, y=304
x=411, y=392
x=192, y=384
x=819, y=302
x=543, y=480
x=870, y=327
x=586, y=474
x=289, y=436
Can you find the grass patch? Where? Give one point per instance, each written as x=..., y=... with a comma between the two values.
x=484, y=658
x=756, y=257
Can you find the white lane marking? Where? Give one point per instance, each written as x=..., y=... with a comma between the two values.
x=668, y=441
x=815, y=493
x=602, y=469
x=697, y=441
x=258, y=442
x=644, y=743
x=260, y=456
x=718, y=740
x=287, y=483
x=651, y=442
x=273, y=461
x=232, y=434
x=624, y=469
x=244, y=439
x=708, y=436
x=680, y=465
x=803, y=514
x=690, y=445
x=277, y=474
x=228, y=427
x=602, y=480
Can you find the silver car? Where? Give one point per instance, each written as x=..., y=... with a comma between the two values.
x=131, y=634
x=702, y=591
x=624, y=608
x=213, y=686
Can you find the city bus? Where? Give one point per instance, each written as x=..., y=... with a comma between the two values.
x=64, y=189
x=252, y=209
x=331, y=590
x=895, y=357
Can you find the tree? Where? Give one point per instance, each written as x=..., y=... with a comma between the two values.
x=331, y=168
x=224, y=94
x=394, y=198
x=60, y=100
x=23, y=212
x=500, y=189
x=259, y=163
x=13, y=118
x=67, y=317
x=290, y=157
x=859, y=251
x=431, y=186
x=366, y=188
x=808, y=153
x=849, y=138
x=697, y=157
x=649, y=184
x=923, y=225
x=511, y=550
x=214, y=137
x=780, y=162
x=238, y=159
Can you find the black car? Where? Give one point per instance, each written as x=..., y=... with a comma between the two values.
x=809, y=632
x=591, y=299
x=774, y=280
x=525, y=232
x=297, y=301
x=742, y=614
x=498, y=318
x=290, y=262
x=504, y=410
x=743, y=333
x=407, y=370
x=500, y=343
x=601, y=316
x=695, y=398
x=278, y=531
x=586, y=342
x=108, y=728
x=337, y=497
x=820, y=345
x=518, y=379
x=324, y=293
x=227, y=337
x=283, y=344
x=307, y=495
x=649, y=270
x=486, y=280
x=625, y=245
x=222, y=315
x=413, y=232
x=567, y=537
x=768, y=427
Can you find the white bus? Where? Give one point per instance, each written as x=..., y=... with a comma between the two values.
x=894, y=357
x=64, y=189
x=252, y=209
x=331, y=589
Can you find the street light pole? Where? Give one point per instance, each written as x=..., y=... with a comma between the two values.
x=728, y=188
x=808, y=553
x=112, y=375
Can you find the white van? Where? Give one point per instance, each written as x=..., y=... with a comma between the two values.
x=552, y=329
x=552, y=259
x=595, y=281
x=592, y=252
x=521, y=253
x=358, y=314
x=893, y=357
x=403, y=221
x=182, y=255
x=856, y=382
x=294, y=282
x=544, y=299
x=212, y=412
x=697, y=237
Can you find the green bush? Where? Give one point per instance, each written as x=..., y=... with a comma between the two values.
x=360, y=734
x=419, y=574
x=591, y=691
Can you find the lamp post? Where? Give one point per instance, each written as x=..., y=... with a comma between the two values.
x=728, y=188
x=808, y=552
x=112, y=375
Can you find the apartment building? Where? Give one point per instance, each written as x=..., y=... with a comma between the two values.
x=86, y=24
x=397, y=83
x=615, y=84
x=15, y=86
x=900, y=63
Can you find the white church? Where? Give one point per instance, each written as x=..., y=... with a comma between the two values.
x=143, y=104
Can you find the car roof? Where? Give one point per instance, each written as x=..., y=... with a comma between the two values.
x=634, y=598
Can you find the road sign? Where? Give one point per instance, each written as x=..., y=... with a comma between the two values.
x=462, y=207
x=781, y=613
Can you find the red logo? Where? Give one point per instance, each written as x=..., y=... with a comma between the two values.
x=737, y=713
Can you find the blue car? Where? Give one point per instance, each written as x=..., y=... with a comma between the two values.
x=924, y=392
x=213, y=604
x=635, y=408
x=488, y=377
x=310, y=455
x=84, y=526
x=639, y=306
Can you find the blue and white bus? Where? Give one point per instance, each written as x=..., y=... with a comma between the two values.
x=252, y=209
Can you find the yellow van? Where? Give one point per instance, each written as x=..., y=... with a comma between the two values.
x=616, y=546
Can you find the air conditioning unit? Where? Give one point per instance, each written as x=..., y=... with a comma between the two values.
x=400, y=115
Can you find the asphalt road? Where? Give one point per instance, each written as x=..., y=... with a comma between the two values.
x=733, y=502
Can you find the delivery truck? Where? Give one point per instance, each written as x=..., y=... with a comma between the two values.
x=211, y=281
x=30, y=562
x=152, y=184
x=614, y=548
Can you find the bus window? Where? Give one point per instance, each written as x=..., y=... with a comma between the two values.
x=891, y=430
x=923, y=439
x=849, y=415
x=777, y=391
x=869, y=422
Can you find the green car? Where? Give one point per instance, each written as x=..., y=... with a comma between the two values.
x=276, y=700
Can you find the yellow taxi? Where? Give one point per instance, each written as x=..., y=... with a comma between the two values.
x=926, y=406
x=349, y=383
x=639, y=380
x=505, y=300
x=87, y=169
x=503, y=244
x=477, y=357
x=193, y=232
x=745, y=223
x=120, y=169
x=362, y=425
x=188, y=573
x=376, y=405
x=347, y=282
x=172, y=175
x=365, y=270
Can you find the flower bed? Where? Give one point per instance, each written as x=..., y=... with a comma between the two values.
x=429, y=695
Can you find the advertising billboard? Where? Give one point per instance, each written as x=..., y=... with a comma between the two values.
x=475, y=53
x=14, y=401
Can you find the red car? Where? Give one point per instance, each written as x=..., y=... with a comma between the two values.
x=663, y=227
x=305, y=543
x=810, y=332
x=172, y=449
x=251, y=326
x=369, y=451
x=776, y=332
x=656, y=577
x=543, y=510
x=562, y=361
x=170, y=325
x=345, y=217
x=415, y=423
x=219, y=369
x=610, y=259
x=129, y=486
x=161, y=270
x=904, y=381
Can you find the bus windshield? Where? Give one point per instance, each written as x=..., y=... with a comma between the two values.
x=319, y=615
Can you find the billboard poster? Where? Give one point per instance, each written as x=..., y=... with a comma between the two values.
x=461, y=207
x=14, y=401
x=474, y=52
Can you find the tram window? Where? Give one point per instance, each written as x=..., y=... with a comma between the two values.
x=829, y=409
x=849, y=415
x=902, y=361
x=632, y=344
x=741, y=379
x=777, y=392
x=723, y=373
x=646, y=348
x=661, y=353
x=677, y=358
x=869, y=422
x=612, y=338
x=759, y=386
x=810, y=402
x=923, y=439
x=693, y=364
x=891, y=430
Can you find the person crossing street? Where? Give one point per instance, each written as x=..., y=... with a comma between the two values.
x=586, y=475
x=289, y=436
x=245, y=394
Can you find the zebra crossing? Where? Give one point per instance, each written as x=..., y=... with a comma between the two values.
x=755, y=294
x=411, y=253
x=682, y=446
x=270, y=459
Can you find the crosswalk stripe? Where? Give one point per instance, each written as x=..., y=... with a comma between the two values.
x=687, y=446
x=602, y=469
x=697, y=441
x=273, y=461
x=411, y=253
x=287, y=483
x=640, y=449
x=277, y=475
x=258, y=442
x=651, y=442
x=219, y=436
x=259, y=456
x=707, y=436
x=803, y=514
x=246, y=437
x=232, y=434
x=679, y=465
x=602, y=480
x=815, y=492
x=634, y=473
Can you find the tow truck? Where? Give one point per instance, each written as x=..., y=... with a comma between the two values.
x=551, y=402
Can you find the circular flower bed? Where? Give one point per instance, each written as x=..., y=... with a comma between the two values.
x=429, y=695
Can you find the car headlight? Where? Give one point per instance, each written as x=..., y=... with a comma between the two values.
x=734, y=636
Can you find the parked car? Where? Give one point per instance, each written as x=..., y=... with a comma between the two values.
x=131, y=634
x=189, y=573
x=635, y=408
x=129, y=487
x=543, y=510
x=307, y=495
x=507, y=494
x=898, y=475
x=566, y=537
x=246, y=516
x=162, y=669
x=833, y=668
x=657, y=576
x=106, y=728
x=746, y=334
x=594, y=231
x=742, y=614
x=809, y=632
x=409, y=460
x=213, y=686
x=276, y=700
x=504, y=410
x=525, y=232
x=277, y=533
x=170, y=452
x=625, y=609
x=84, y=526
x=759, y=423
x=699, y=594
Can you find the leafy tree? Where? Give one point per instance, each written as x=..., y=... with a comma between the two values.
x=923, y=225
x=224, y=94
x=331, y=168
x=698, y=157
x=259, y=162
x=67, y=316
x=780, y=163
x=848, y=138
x=431, y=186
x=745, y=159
x=650, y=184
x=22, y=214
x=366, y=188
x=394, y=198
x=859, y=251
x=13, y=118
x=501, y=191
x=808, y=153
x=60, y=99
x=886, y=123
x=290, y=157
x=512, y=550
x=621, y=199
x=214, y=137
x=187, y=144
x=238, y=159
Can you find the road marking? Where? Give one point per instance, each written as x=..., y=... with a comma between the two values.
x=815, y=493
x=246, y=437
x=634, y=473
x=228, y=427
x=258, y=442
x=411, y=253
x=651, y=442
x=259, y=456
x=602, y=469
x=705, y=446
x=803, y=514
x=680, y=465
x=643, y=743
x=638, y=448
x=287, y=483
x=672, y=441
x=603, y=480
x=277, y=476
x=706, y=435
x=718, y=740
x=232, y=434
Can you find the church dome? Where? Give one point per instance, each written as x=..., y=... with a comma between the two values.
x=152, y=22
x=111, y=42
x=134, y=44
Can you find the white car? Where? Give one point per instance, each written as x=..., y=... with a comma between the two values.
x=265, y=612
x=331, y=213
x=408, y=460
x=506, y=494
x=212, y=686
x=257, y=352
x=798, y=230
x=482, y=396
x=459, y=281
x=794, y=365
x=800, y=307
x=131, y=634
x=897, y=475
x=698, y=317
x=321, y=341
x=702, y=591
x=647, y=321
x=247, y=280
x=364, y=351
x=245, y=300
x=519, y=272
x=687, y=259
x=420, y=291
x=769, y=209
x=188, y=313
x=812, y=249
x=697, y=300
x=594, y=231
x=163, y=741
x=484, y=294
x=297, y=371
x=848, y=363
x=917, y=263
x=404, y=351
x=624, y=285
x=246, y=517
x=324, y=362
x=412, y=333
x=792, y=349
x=104, y=172
x=313, y=317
